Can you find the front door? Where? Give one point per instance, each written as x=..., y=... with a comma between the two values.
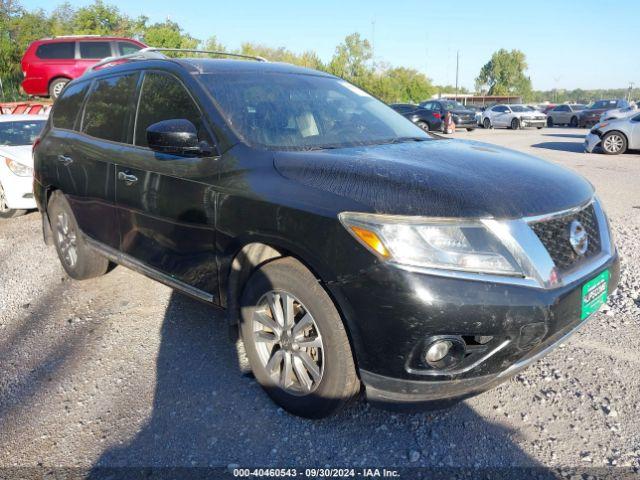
x=166, y=206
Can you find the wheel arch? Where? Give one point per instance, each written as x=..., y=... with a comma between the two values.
x=256, y=253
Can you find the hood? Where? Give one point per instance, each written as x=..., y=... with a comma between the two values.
x=443, y=178
x=20, y=153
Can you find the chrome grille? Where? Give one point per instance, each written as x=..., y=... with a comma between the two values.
x=554, y=235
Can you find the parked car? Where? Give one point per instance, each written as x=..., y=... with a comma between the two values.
x=565, y=114
x=353, y=249
x=591, y=115
x=49, y=64
x=615, y=136
x=513, y=116
x=427, y=120
x=462, y=116
x=619, y=112
x=17, y=135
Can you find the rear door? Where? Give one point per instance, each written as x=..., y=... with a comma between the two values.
x=166, y=205
x=104, y=133
x=634, y=141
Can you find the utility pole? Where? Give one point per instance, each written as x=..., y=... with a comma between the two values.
x=631, y=85
x=457, y=69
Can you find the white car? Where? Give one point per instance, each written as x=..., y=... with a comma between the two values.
x=513, y=116
x=17, y=134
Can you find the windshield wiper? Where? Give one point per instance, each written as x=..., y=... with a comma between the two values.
x=408, y=139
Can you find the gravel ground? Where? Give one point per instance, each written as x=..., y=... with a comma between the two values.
x=121, y=371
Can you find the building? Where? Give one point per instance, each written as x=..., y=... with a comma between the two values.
x=478, y=100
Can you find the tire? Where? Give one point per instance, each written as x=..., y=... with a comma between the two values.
x=539, y=128
x=423, y=125
x=613, y=143
x=486, y=123
x=5, y=211
x=470, y=129
x=56, y=87
x=334, y=382
x=549, y=122
x=515, y=124
x=574, y=122
x=78, y=259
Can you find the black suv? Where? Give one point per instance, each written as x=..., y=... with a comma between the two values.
x=430, y=115
x=354, y=251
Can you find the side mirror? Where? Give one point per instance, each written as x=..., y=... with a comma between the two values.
x=176, y=136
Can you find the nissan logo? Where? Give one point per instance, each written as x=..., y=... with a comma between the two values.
x=578, y=238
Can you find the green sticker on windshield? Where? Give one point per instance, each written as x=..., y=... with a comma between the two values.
x=594, y=294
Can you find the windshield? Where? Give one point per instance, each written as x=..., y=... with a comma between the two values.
x=25, y=132
x=305, y=112
x=453, y=106
x=578, y=107
x=520, y=108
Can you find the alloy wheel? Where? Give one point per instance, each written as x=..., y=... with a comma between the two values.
x=288, y=343
x=67, y=240
x=57, y=89
x=613, y=143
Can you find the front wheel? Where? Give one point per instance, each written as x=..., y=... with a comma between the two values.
x=486, y=123
x=295, y=340
x=515, y=124
x=574, y=122
x=5, y=211
x=614, y=143
x=470, y=129
x=549, y=122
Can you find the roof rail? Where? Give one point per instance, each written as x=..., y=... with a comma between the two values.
x=78, y=36
x=151, y=53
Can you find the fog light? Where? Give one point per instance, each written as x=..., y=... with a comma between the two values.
x=438, y=351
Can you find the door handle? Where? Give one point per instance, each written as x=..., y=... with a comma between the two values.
x=65, y=160
x=127, y=178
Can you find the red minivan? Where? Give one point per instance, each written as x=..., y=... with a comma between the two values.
x=49, y=64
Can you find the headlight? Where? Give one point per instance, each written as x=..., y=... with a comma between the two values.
x=451, y=244
x=18, y=168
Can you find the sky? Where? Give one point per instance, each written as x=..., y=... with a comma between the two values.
x=568, y=43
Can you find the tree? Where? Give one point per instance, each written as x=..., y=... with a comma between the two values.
x=98, y=19
x=411, y=85
x=351, y=59
x=168, y=34
x=504, y=74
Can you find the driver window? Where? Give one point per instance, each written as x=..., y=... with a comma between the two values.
x=163, y=97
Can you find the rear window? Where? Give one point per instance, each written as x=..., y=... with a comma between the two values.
x=95, y=50
x=56, y=51
x=68, y=105
x=108, y=108
x=127, y=48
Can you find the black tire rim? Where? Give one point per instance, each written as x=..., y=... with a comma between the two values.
x=486, y=123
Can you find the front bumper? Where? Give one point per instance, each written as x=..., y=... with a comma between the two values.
x=397, y=309
x=529, y=122
x=591, y=141
x=588, y=121
x=18, y=191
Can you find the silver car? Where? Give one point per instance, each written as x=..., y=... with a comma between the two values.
x=513, y=116
x=566, y=114
x=616, y=136
x=619, y=112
